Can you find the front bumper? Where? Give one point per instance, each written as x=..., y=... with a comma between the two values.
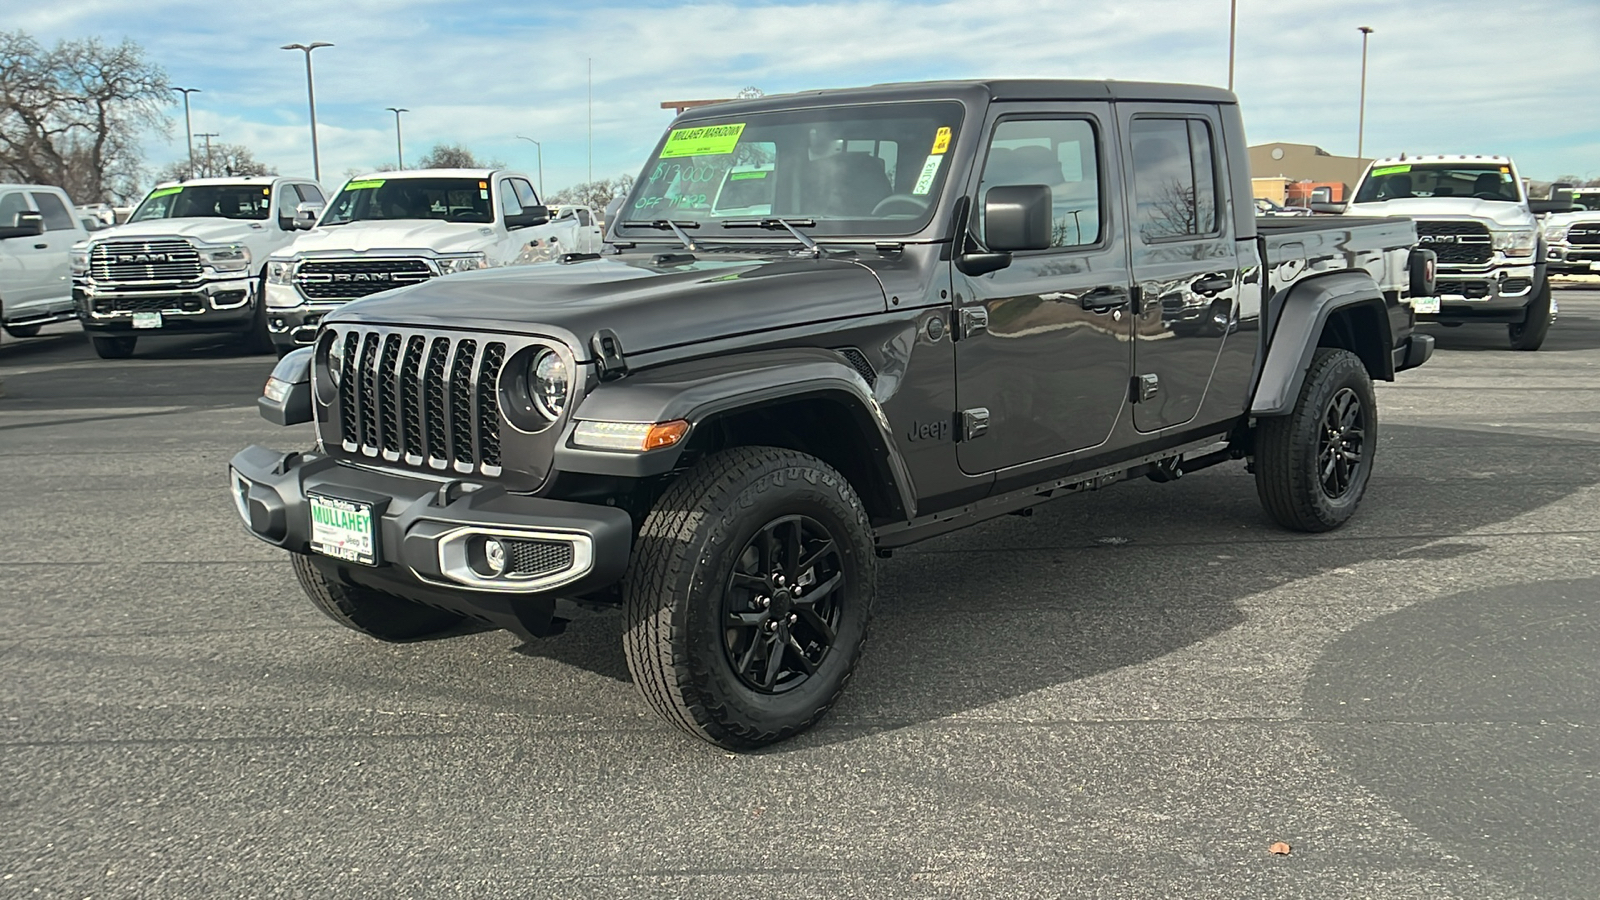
x=1484, y=293
x=1573, y=259
x=421, y=527
x=291, y=320
x=221, y=305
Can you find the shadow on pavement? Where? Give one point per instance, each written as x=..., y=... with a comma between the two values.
x=958, y=630
x=1570, y=332
x=1474, y=716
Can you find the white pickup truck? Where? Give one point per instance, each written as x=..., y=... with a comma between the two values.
x=1474, y=213
x=37, y=231
x=190, y=260
x=391, y=229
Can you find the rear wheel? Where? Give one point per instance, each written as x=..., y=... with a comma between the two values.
x=23, y=331
x=117, y=347
x=1312, y=465
x=748, y=596
x=1529, y=334
x=373, y=613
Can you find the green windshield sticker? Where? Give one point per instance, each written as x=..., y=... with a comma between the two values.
x=363, y=185
x=929, y=170
x=709, y=140
x=1390, y=170
x=162, y=192
x=745, y=176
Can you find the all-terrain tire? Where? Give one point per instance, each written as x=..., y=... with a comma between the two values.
x=1304, y=474
x=373, y=613
x=23, y=331
x=116, y=347
x=1529, y=334
x=687, y=591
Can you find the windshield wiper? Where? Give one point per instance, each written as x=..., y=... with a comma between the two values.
x=676, y=228
x=793, y=226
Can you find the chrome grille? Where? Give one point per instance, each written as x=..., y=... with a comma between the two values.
x=1584, y=234
x=430, y=404
x=1456, y=242
x=144, y=261
x=349, y=279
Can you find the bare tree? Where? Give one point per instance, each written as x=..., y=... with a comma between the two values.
x=223, y=160
x=454, y=156
x=594, y=194
x=71, y=116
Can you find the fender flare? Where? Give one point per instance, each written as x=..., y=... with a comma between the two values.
x=700, y=391
x=1305, y=311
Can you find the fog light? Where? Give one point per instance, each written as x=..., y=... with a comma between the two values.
x=494, y=556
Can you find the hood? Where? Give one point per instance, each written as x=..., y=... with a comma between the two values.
x=1500, y=214
x=1579, y=217
x=397, y=234
x=648, y=304
x=210, y=230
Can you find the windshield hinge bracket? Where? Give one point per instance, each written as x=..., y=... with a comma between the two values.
x=608, y=356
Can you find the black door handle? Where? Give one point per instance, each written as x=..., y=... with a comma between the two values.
x=1104, y=299
x=1212, y=284
x=41, y=246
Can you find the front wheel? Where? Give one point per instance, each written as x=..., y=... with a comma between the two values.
x=373, y=613
x=118, y=347
x=748, y=596
x=1529, y=334
x=1312, y=465
x=258, y=339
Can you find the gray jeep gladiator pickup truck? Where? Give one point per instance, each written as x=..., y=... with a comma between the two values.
x=829, y=325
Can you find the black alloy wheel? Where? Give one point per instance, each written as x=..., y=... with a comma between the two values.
x=783, y=604
x=1340, y=451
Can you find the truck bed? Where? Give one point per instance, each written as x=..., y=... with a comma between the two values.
x=1296, y=246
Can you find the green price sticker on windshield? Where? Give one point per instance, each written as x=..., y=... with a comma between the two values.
x=707, y=140
x=1390, y=170
x=363, y=185
x=164, y=192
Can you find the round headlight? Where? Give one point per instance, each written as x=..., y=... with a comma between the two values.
x=335, y=357
x=548, y=378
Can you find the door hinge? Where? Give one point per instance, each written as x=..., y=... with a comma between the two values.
x=1144, y=387
x=974, y=320
x=974, y=423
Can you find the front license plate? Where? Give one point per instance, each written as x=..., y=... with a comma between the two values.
x=147, y=320
x=343, y=529
x=1425, y=305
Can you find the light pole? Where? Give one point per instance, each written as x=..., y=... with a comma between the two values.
x=188, y=125
x=1361, y=126
x=399, y=149
x=541, y=162
x=311, y=97
x=208, y=135
x=1233, y=33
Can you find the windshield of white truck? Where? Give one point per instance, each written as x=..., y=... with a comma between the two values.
x=383, y=199
x=875, y=169
x=1483, y=181
x=206, y=201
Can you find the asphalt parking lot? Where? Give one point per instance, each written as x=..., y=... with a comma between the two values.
x=1131, y=694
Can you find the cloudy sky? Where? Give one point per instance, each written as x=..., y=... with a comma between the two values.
x=1474, y=76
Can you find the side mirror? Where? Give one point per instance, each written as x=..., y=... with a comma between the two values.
x=28, y=224
x=1543, y=207
x=530, y=215
x=1331, y=209
x=304, y=218
x=1017, y=217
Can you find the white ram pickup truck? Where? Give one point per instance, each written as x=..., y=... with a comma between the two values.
x=37, y=233
x=391, y=229
x=1474, y=213
x=191, y=259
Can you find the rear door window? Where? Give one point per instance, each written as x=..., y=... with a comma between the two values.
x=1174, y=179
x=56, y=215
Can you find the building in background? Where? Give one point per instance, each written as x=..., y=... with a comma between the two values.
x=1296, y=174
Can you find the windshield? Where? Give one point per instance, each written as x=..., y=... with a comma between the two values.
x=851, y=170
x=445, y=199
x=1484, y=181
x=206, y=201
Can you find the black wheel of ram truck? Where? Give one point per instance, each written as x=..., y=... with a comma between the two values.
x=113, y=347
x=258, y=339
x=1312, y=465
x=748, y=596
x=1529, y=334
x=373, y=613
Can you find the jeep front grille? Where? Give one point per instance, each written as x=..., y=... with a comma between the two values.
x=1585, y=234
x=138, y=262
x=1457, y=242
x=430, y=403
x=349, y=279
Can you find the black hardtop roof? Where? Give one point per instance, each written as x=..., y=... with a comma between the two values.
x=1038, y=89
